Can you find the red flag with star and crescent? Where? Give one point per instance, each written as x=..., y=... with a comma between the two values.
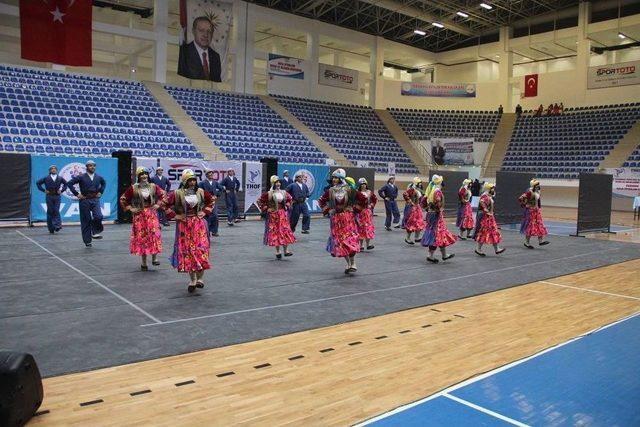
x=530, y=85
x=57, y=31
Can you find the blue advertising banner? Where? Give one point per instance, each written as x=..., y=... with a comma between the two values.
x=285, y=66
x=441, y=90
x=315, y=176
x=68, y=167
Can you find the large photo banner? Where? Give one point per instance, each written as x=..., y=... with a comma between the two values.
x=440, y=90
x=452, y=151
x=622, y=74
x=331, y=75
x=315, y=176
x=626, y=181
x=204, y=43
x=69, y=167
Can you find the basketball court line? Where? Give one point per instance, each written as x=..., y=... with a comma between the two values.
x=484, y=410
x=91, y=279
x=590, y=290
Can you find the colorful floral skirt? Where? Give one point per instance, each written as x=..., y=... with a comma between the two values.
x=343, y=239
x=277, y=230
x=488, y=231
x=146, y=237
x=464, y=219
x=436, y=233
x=532, y=224
x=366, y=229
x=191, y=247
x=415, y=222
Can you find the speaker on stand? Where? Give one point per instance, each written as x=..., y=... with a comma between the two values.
x=21, y=391
x=124, y=181
x=269, y=168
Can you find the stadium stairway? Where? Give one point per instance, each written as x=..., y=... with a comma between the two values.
x=422, y=162
x=320, y=143
x=498, y=148
x=623, y=149
x=191, y=130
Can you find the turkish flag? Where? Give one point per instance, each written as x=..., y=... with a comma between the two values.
x=57, y=31
x=530, y=85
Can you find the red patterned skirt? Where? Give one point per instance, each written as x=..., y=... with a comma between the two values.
x=532, y=224
x=277, y=230
x=488, y=231
x=343, y=240
x=464, y=219
x=366, y=229
x=146, y=237
x=415, y=222
x=191, y=247
x=436, y=233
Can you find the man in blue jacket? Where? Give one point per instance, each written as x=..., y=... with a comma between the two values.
x=92, y=187
x=389, y=193
x=231, y=186
x=299, y=192
x=164, y=183
x=212, y=186
x=286, y=180
x=54, y=185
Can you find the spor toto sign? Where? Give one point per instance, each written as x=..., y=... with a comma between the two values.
x=345, y=78
x=623, y=74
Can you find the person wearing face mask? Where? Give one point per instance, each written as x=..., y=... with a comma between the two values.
x=143, y=199
x=436, y=234
x=532, y=224
x=464, y=218
x=365, y=203
x=487, y=228
x=189, y=205
x=54, y=186
x=92, y=187
x=413, y=220
x=337, y=202
x=274, y=204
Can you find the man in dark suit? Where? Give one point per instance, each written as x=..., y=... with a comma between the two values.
x=212, y=186
x=197, y=60
x=437, y=153
x=300, y=193
x=286, y=180
x=389, y=193
x=231, y=186
x=54, y=185
x=164, y=183
x=92, y=187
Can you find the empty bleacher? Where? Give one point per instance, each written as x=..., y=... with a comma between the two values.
x=355, y=131
x=634, y=159
x=562, y=146
x=48, y=112
x=245, y=128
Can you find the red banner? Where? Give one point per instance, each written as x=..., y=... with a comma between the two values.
x=530, y=85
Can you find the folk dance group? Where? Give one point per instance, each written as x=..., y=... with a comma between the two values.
x=349, y=206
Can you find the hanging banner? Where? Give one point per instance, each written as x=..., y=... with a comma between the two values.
x=626, y=181
x=69, y=167
x=252, y=184
x=204, y=39
x=315, y=176
x=331, y=75
x=173, y=168
x=440, y=90
x=391, y=169
x=452, y=151
x=285, y=66
x=622, y=74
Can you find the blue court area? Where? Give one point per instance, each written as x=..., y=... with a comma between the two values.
x=591, y=381
x=560, y=228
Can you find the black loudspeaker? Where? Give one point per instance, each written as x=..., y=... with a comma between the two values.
x=271, y=165
x=20, y=388
x=124, y=181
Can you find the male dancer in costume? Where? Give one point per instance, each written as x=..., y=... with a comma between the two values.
x=212, y=186
x=165, y=185
x=231, y=186
x=286, y=180
x=436, y=234
x=300, y=193
x=464, y=218
x=92, y=187
x=389, y=193
x=277, y=231
x=487, y=228
x=413, y=221
x=54, y=186
x=365, y=203
x=532, y=224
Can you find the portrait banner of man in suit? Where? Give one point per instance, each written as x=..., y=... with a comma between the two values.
x=204, y=43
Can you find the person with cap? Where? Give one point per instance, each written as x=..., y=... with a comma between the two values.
x=487, y=227
x=365, y=203
x=189, y=205
x=464, y=218
x=165, y=185
x=286, y=180
x=92, y=187
x=300, y=193
x=213, y=187
x=231, y=186
x=337, y=202
x=274, y=205
x=143, y=199
x=413, y=220
x=436, y=234
x=54, y=186
x=532, y=223
x=389, y=193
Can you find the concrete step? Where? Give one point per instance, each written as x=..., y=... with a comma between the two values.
x=498, y=147
x=422, y=161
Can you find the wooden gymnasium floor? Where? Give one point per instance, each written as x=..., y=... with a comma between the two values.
x=343, y=374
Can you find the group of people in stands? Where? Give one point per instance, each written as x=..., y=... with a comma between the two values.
x=552, y=110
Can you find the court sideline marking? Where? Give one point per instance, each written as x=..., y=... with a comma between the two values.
x=82, y=273
x=590, y=290
x=446, y=392
x=373, y=291
x=484, y=410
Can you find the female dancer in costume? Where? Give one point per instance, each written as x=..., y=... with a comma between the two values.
x=277, y=229
x=464, y=219
x=487, y=230
x=143, y=199
x=189, y=205
x=436, y=233
x=337, y=201
x=413, y=212
x=365, y=202
x=532, y=224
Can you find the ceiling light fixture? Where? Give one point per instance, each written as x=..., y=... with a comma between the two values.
x=437, y=24
x=420, y=32
x=622, y=36
x=464, y=15
x=486, y=6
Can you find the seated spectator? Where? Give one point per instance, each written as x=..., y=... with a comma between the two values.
x=561, y=109
x=556, y=110
x=500, y=109
x=550, y=110
x=518, y=110
x=539, y=111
